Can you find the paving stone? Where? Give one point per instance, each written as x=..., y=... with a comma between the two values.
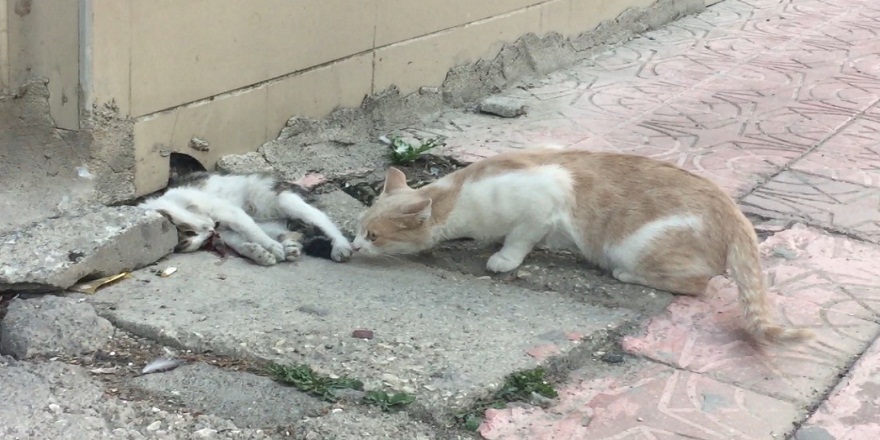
x=52, y=326
x=820, y=201
x=54, y=254
x=850, y=413
x=850, y=156
x=53, y=400
x=649, y=401
x=825, y=282
x=248, y=400
x=442, y=336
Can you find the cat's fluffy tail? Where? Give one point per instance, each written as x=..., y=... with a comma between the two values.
x=744, y=264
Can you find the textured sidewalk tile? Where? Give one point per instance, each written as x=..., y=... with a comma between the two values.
x=54, y=254
x=851, y=412
x=853, y=155
x=819, y=201
x=825, y=282
x=649, y=402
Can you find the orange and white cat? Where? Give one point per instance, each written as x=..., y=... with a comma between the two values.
x=647, y=222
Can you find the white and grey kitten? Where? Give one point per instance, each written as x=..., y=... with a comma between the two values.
x=248, y=212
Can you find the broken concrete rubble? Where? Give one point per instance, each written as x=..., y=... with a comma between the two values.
x=54, y=400
x=503, y=106
x=52, y=326
x=91, y=242
x=258, y=402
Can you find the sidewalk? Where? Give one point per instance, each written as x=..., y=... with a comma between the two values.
x=776, y=100
x=778, y=103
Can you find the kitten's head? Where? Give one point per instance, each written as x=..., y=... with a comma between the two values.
x=194, y=230
x=398, y=222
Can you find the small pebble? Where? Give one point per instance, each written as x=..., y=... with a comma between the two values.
x=205, y=433
x=362, y=334
x=154, y=426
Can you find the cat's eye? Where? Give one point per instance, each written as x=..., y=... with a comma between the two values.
x=190, y=233
x=371, y=236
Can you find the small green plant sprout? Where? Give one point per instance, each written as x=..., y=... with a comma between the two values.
x=524, y=386
x=303, y=378
x=388, y=402
x=402, y=152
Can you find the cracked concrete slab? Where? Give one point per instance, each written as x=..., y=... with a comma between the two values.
x=52, y=326
x=53, y=400
x=444, y=337
x=91, y=242
x=248, y=400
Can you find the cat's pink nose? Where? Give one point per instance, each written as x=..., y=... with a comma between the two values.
x=355, y=247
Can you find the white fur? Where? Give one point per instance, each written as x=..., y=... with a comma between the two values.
x=248, y=210
x=523, y=207
x=623, y=257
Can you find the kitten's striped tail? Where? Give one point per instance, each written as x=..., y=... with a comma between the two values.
x=744, y=264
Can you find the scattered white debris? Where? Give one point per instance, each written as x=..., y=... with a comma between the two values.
x=162, y=364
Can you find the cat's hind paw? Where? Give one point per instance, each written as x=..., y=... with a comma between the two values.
x=258, y=254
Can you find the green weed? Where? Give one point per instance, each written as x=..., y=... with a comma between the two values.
x=522, y=386
x=403, y=152
x=388, y=402
x=303, y=378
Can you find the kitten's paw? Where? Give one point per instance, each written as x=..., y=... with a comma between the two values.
x=292, y=249
x=341, y=252
x=258, y=254
x=277, y=249
x=499, y=262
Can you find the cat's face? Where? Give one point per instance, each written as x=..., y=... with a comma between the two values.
x=397, y=223
x=193, y=232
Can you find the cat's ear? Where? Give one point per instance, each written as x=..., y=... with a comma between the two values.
x=419, y=211
x=394, y=180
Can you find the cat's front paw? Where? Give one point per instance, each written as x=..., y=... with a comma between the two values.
x=499, y=262
x=277, y=249
x=342, y=251
x=292, y=249
x=258, y=254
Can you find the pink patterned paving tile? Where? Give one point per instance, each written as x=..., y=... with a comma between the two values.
x=653, y=402
x=705, y=135
x=828, y=283
x=818, y=200
x=853, y=155
x=851, y=412
x=470, y=138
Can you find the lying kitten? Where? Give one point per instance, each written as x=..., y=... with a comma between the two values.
x=248, y=212
x=647, y=222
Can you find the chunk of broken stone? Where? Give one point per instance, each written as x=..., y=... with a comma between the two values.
x=251, y=162
x=342, y=208
x=93, y=242
x=52, y=326
x=504, y=107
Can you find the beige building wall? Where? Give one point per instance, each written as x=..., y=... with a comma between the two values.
x=232, y=72
x=41, y=38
